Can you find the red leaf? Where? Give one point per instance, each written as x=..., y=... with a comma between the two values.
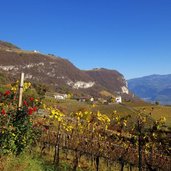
x=30, y=111
x=31, y=98
x=25, y=103
x=3, y=112
x=7, y=93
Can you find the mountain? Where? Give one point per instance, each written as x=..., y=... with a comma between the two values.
x=152, y=88
x=110, y=80
x=59, y=73
x=7, y=46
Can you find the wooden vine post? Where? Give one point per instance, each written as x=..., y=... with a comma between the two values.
x=21, y=90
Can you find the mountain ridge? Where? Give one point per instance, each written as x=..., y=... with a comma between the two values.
x=59, y=72
x=152, y=88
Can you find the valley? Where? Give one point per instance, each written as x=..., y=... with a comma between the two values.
x=77, y=120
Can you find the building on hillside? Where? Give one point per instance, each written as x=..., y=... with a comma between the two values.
x=36, y=51
x=118, y=99
x=91, y=99
x=59, y=96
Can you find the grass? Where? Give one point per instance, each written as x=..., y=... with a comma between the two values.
x=156, y=111
x=85, y=163
x=22, y=162
x=28, y=162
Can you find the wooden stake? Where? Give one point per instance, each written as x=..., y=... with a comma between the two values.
x=21, y=90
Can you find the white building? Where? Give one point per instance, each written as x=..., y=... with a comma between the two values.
x=60, y=96
x=91, y=99
x=36, y=51
x=118, y=99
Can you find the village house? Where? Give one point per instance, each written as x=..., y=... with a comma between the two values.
x=59, y=96
x=91, y=99
x=118, y=99
x=36, y=51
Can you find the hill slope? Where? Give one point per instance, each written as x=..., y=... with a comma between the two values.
x=111, y=80
x=58, y=72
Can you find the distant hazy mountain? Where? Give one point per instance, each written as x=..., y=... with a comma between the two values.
x=59, y=73
x=152, y=88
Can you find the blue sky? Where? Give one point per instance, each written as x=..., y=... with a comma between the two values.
x=131, y=36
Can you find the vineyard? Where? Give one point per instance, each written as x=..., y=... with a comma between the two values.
x=84, y=139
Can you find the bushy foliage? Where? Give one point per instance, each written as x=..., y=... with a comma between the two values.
x=16, y=125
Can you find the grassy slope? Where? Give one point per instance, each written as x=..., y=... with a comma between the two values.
x=154, y=111
x=24, y=162
x=159, y=111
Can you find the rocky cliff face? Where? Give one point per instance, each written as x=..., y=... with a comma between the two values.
x=58, y=72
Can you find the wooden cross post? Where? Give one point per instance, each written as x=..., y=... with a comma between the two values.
x=21, y=90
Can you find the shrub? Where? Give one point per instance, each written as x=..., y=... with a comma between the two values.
x=16, y=125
